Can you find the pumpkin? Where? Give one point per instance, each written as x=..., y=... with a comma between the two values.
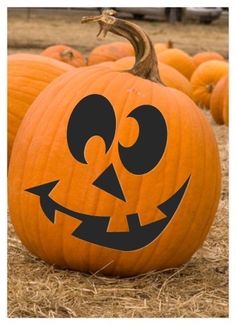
x=206, y=56
x=169, y=76
x=160, y=47
x=28, y=75
x=218, y=101
x=179, y=60
x=226, y=110
x=111, y=176
x=204, y=79
x=65, y=54
x=110, y=52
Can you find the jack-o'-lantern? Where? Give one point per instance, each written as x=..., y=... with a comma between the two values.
x=119, y=174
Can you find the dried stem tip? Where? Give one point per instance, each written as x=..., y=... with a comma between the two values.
x=145, y=56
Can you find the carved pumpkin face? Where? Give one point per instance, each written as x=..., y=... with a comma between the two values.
x=95, y=116
x=113, y=174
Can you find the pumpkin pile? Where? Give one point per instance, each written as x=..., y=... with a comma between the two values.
x=112, y=161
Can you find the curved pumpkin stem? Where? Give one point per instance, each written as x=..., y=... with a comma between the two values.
x=146, y=65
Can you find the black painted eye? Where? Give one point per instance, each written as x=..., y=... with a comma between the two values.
x=93, y=115
x=147, y=151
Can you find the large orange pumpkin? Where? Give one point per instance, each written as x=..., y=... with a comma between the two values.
x=28, y=75
x=110, y=52
x=218, y=102
x=206, y=56
x=65, y=54
x=169, y=76
x=179, y=60
x=204, y=79
x=112, y=176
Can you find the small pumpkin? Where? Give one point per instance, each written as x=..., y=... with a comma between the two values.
x=110, y=52
x=28, y=75
x=179, y=60
x=169, y=76
x=206, y=56
x=65, y=54
x=218, y=101
x=122, y=165
x=160, y=47
x=204, y=79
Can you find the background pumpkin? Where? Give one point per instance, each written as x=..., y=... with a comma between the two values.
x=110, y=52
x=65, y=54
x=218, y=102
x=169, y=76
x=160, y=47
x=28, y=75
x=179, y=60
x=226, y=109
x=204, y=79
x=189, y=146
x=206, y=56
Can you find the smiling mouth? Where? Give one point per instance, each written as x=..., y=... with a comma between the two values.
x=93, y=229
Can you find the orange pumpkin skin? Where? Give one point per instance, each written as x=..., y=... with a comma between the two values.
x=206, y=56
x=204, y=79
x=169, y=76
x=160, y=47
x=226, y=105
x=65, y=54
x=28, y=75
x=191, y=151
x=110, y=52
x=218, y=102
x=226, y=110
x=179, y=60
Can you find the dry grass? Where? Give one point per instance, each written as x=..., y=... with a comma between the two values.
x=197, y=289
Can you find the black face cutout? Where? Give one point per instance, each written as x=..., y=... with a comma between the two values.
x=94, y=115
x=93, y=229
x=145, y=154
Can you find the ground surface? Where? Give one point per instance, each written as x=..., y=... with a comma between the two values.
x=199, y=288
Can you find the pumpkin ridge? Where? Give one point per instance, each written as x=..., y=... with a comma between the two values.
x=42, y=253
x=116, y=265
x=214, y=205
x=51, y=146
x=92, y=252
x=126, y=98
x=38, y=249
x=142, y=261
x=91, y=85
x=33, y=245
x=208, y=220
x=191, y=224
x=147, y=262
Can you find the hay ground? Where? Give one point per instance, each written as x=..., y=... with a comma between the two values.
x=197, y=289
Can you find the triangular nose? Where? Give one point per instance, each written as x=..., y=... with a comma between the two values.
x=108, y=181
